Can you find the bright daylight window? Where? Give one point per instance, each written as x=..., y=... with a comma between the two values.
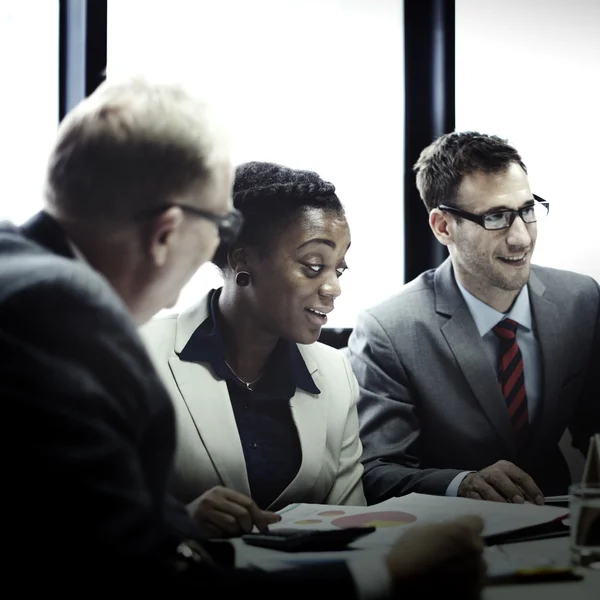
x=529, y=72
x=313, y=84
x=28, y=103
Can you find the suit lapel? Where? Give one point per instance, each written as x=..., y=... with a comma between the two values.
x=466, y=345
x=550, y=333
x=309, y=412
x=208, y=402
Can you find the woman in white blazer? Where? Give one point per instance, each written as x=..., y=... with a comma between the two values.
x=266, y=414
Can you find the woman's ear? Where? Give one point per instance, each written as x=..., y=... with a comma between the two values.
x=237, y=258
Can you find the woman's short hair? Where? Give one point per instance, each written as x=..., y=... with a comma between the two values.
x=270, y=196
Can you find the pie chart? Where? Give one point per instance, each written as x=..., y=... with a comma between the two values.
x=308, y=521
x=390, y=518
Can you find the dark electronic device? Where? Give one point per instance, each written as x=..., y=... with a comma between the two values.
x=302, y=540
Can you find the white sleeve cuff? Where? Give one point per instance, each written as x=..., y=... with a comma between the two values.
x=371, y=577
x=452, y=489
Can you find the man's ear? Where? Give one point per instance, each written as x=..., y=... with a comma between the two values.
x=441, y=226
x=165, y=230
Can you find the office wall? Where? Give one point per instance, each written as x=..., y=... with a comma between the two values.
x=529, y=71
x=314, y=84
x=28, y=102
x=524, y=70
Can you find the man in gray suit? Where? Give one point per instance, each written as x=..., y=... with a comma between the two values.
x=470, y=375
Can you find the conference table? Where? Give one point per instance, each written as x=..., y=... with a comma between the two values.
x=555, y=550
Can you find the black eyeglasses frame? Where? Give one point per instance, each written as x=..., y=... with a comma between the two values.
x=229, y=225
x=480, y=219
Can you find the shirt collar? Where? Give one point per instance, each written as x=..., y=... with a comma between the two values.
x=77, y=253
x=286, y=369
x=486, y=317
x=45, y=230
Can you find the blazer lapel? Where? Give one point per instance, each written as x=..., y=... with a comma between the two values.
x=309, y=412
x=207, y=400
x=466, y=345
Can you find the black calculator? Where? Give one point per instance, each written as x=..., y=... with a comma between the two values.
x=302, y=540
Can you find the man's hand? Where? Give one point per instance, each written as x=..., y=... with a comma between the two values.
x=501, y=482
x=440, y=559
x=222, y=512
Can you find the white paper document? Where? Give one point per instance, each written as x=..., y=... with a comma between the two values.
x=396, y=515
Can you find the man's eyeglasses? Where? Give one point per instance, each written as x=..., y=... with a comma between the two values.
x=502, y=219
x=229, y=225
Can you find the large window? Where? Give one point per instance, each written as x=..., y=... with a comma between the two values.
x=28, y=102
x=529, y=72
x=313, y=84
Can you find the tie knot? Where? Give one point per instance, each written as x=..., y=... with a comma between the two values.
x=506, y=329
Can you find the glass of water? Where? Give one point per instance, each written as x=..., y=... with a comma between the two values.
x=584, y=523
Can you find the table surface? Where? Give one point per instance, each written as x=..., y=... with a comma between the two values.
x=555, y=549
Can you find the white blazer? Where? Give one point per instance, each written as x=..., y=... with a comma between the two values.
x=209, y=451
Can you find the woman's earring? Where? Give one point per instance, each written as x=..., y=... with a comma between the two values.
x=242, y=279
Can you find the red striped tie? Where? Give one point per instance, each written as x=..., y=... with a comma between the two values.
x=512, y=379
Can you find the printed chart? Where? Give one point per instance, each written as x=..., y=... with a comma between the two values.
x=319, y=517
x=386, y=518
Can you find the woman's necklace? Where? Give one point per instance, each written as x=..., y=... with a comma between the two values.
x=248, y=384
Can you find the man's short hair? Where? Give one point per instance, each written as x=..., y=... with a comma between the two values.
x=443, y=164
x=130, y=147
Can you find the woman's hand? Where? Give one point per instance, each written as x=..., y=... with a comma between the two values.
x=222, y=512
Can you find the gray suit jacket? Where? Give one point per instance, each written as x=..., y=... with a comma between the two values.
x=430, y=404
